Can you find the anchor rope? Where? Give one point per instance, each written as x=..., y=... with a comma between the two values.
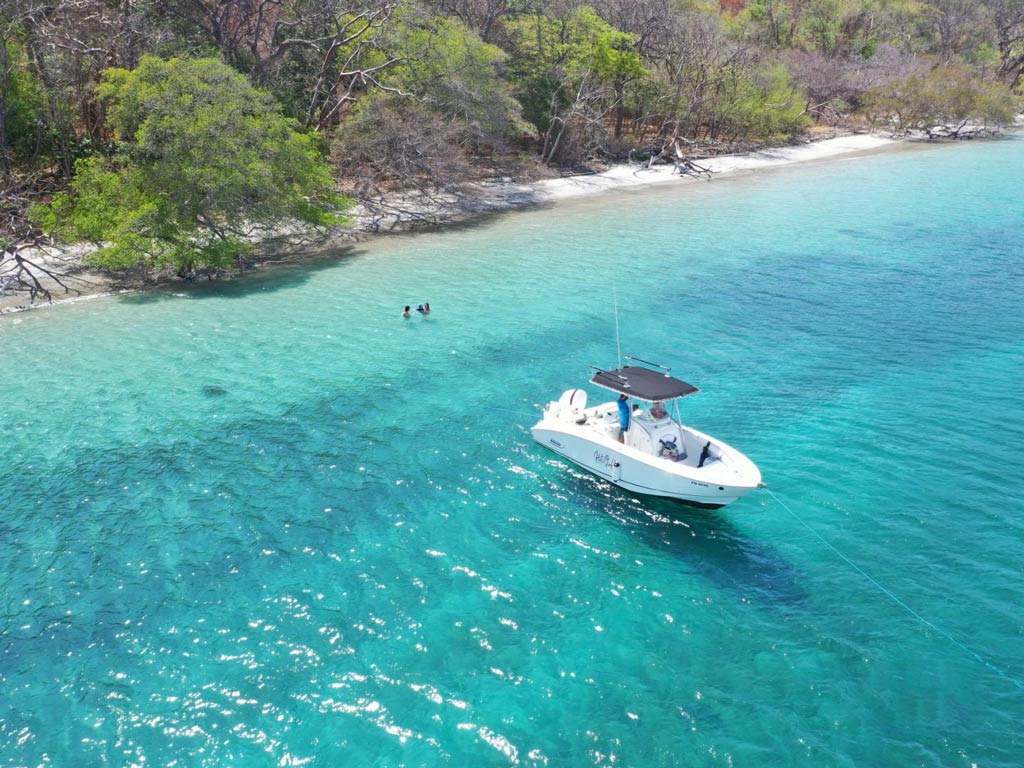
x=897, y=600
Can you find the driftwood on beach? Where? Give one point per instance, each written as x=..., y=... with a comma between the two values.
x=964, y=130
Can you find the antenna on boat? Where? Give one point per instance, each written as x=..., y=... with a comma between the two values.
x=618, y=345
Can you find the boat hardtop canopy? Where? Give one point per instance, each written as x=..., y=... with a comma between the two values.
x=643, y=383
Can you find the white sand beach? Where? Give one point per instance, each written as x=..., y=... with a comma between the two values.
x=408, y=211
x=402, y=212
x=632, y=175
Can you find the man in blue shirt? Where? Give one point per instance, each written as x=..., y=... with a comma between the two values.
x=623, y=417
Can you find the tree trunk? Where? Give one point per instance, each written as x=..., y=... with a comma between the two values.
x=61, y=130
x=3, y=108
x=620, y=108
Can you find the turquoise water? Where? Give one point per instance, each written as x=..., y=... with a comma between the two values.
x=270, y=522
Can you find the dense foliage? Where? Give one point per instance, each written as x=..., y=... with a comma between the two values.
x=175, y=122
x=199, y=157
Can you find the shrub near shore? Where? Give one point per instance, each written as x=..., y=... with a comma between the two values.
x=202, y=159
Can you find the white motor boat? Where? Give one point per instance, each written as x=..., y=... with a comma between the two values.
x=658, y=455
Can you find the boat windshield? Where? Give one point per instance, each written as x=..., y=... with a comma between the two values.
x=657, y=411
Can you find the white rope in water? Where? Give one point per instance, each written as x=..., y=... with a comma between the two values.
x=895, y=599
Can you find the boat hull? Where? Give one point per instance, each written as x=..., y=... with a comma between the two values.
x=709, y=488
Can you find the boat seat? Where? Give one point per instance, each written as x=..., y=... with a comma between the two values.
x=706, y=457
x=572, y=405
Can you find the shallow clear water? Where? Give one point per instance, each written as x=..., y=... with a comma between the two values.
x=270, y=522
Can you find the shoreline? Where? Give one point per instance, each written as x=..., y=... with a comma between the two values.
x=404, y=213
x=623, y=176
x=400, y=213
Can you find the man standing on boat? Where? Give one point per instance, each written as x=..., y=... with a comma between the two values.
x=623, y=417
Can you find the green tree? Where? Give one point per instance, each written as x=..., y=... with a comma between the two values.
x=203, y=162
x=1008, y=21
x=950, y=98
x=776, y=23
x=766, y=106
x=21, y=108
x=954, y=28
x=437, y=99
x=569, y=72
x=446, y=66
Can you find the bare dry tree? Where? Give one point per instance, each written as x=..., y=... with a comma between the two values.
x=30, y=263
x=1008, y=20
x=314, y=47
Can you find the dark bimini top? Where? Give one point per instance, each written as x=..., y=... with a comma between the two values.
x=643, y=383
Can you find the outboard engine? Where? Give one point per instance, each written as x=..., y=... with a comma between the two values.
x=572, y=404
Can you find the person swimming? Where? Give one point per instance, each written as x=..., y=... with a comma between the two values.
x=424, y=308
x=406, y=312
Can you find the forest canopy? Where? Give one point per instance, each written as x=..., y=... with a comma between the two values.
x=169, y=128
